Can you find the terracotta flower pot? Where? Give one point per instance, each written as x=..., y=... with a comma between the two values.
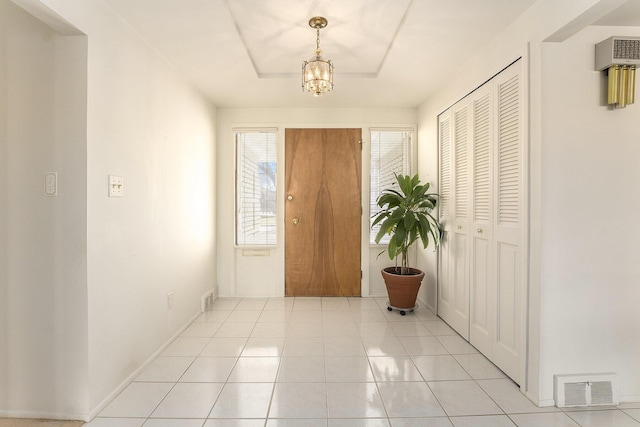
x=402, y=289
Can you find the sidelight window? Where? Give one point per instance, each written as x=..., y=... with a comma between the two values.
x=390, y=155
x=255, y=187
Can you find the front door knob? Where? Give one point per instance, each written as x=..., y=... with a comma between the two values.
x=295, y=221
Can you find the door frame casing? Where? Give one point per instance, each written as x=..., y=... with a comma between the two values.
x=237, y=280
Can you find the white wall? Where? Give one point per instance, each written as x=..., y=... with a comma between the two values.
x=240, y=275
x=159, y=238
x=590, y=232
x=554, y=293
x=147, y=124
x=43, y=313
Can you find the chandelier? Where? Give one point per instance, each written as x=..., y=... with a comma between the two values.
x=317, y=73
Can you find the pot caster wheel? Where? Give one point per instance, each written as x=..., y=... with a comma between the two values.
x=389, y=309
x=402, y=312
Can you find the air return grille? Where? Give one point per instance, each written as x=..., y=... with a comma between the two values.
x=626, y=49
x=585, y=390
x=617, y=50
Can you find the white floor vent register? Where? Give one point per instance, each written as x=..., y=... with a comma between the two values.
x=206, y=301
x=585, y=390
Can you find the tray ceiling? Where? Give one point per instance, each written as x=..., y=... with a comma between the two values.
x=387, y=53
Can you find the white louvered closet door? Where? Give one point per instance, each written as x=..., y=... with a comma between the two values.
x=446, y=303
x=482, y=258
x=509, y=224
x=455, y=290
x=482, y=292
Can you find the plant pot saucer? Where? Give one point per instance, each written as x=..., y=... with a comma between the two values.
x=402, y=311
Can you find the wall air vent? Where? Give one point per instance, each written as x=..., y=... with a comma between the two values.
x=617, y=51
x=620, y=57
x=585, y=390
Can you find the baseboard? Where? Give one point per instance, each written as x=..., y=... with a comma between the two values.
x=630, y=398
x=43, y=415
x=378, y=295
x=545, y=403
x=422, y=303
x=93, y=413
x=550, y=402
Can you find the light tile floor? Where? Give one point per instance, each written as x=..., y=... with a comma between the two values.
x=330, y=362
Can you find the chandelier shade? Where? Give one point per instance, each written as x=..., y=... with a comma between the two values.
x=317, y=72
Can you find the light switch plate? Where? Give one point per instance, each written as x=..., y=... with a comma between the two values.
x=51, y=184
x=116, y=186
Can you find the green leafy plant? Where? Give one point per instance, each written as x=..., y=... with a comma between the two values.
x=406, y=216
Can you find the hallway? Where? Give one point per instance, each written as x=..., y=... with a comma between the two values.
x=330, y=362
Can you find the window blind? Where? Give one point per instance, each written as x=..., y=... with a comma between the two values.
x=390, y=155
x=255, y=187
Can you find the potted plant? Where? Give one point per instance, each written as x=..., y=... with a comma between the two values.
x=407, y=217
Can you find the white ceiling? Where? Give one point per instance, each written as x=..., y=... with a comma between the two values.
x=627, y=15
x=387, y=53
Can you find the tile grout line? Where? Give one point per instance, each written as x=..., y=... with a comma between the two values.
x=323, y=328
x=230, y=371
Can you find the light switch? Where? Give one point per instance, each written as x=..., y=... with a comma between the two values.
x=170, y=299
x=116, y=186
x=51, y=183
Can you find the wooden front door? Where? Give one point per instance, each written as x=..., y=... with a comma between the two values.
x=323, y=212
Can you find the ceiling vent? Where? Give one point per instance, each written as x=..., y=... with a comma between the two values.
x=585, y=390
x=617, y=51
